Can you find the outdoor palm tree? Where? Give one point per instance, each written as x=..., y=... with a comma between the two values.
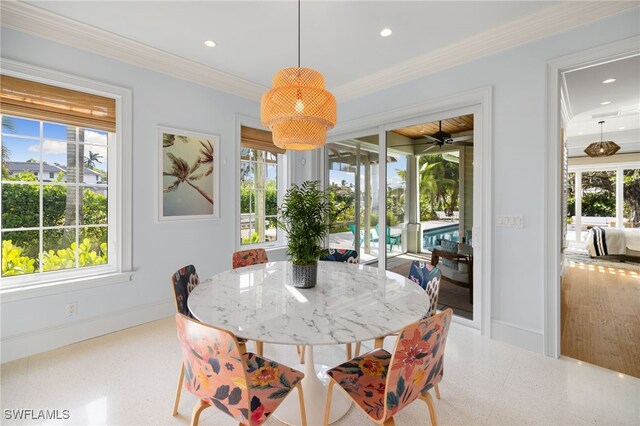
x=92, y=159
x=181, y=170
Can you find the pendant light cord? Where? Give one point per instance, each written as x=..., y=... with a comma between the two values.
x=298, y=33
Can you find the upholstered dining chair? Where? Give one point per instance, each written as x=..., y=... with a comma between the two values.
x=245, y=386
x=183, y=281
x=383, y=383
x=249, y=257
x=428, y=277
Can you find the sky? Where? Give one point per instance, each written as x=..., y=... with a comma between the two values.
x=24, y=142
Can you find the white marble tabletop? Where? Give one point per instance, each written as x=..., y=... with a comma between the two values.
x=350, y=303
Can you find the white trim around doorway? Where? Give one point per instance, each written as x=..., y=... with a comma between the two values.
x=553, y=176
x=478, y=102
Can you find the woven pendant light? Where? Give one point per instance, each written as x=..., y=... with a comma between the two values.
x=298, y=109
x=602, y=148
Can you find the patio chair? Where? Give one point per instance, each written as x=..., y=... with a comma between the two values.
x=443, y=216
x=183, y=281
x=456, y=215
x=383, y=383
x=245, y=386
x=391, y=240
x=373, y=236
x=250, y=257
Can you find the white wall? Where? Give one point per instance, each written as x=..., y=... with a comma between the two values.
x=518, y=77
x=159, y=249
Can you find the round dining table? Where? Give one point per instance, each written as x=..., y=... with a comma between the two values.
x=350, y=303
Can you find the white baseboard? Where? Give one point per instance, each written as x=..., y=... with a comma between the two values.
x=526, y=338
x=31, y=343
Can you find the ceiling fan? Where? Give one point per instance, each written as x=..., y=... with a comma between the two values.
x=441, y=138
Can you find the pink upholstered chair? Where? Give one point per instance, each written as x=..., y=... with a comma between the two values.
x=382, y=383
x=250, y=257
x=245, y=386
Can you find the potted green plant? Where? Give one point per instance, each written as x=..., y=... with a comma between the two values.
x=304, y=216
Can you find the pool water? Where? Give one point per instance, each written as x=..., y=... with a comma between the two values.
x=431, y=237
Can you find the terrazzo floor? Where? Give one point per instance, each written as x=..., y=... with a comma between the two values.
x=129, y=378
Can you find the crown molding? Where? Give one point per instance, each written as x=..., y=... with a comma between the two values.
x=33, y=20
x=544, y=23
x=551, y=20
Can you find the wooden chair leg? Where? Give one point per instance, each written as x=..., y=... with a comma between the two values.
x=298, y=348
x=437, y=389
x=195, y=417
x=259, y=348
x=243, y=347
x=327, y=409
x=303, y=413
x=302, y=350
x=348, y=351
x=358, y=347
x=389, y=422
x=179, y=390
x=426, y=397
x=379, y=343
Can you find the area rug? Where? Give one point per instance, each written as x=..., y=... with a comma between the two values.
x=577, y=255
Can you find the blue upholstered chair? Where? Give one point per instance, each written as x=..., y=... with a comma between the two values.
x=341, y=255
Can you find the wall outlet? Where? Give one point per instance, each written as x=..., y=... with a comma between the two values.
x=72, y=309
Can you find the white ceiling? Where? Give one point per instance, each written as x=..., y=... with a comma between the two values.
x=255, y=39
x=585, y=91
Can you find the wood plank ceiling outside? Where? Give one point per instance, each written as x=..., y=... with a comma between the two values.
x=450, y=125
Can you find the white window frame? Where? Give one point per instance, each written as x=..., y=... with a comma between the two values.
x=120, y=194
x=284, y=177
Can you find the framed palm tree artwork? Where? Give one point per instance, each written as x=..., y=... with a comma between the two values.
x=189, y=175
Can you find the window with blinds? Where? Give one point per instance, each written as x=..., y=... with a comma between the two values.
x=55, y=178
x=261, y=175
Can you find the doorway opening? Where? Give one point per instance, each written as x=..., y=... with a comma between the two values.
x=600, y=276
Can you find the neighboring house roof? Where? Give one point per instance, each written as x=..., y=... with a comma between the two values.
x=22, y=166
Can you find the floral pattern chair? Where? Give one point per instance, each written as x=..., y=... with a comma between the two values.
x=184, y=280
x=245, y=386
x=340, y=255
x=249, y=257
x=428, y=277
x=382, y=383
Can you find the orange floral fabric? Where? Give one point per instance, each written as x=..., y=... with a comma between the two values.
x=244, y=386
x=249, y=257
x=382, y=384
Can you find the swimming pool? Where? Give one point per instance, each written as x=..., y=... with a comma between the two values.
x=431, y=237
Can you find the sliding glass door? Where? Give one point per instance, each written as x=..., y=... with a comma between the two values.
x=352, y=182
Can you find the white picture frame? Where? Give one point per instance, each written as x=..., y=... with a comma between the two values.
x=188, y=175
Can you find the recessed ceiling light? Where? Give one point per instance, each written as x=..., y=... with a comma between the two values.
x=609, y=80
x=605, y=103
x=621, y=128
x=210, y=43
x=386, y=32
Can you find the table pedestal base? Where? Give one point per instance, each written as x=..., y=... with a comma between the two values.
x=314, y=387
